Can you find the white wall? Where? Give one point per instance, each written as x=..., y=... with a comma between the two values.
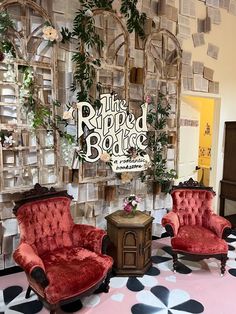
x=222, y=35
x=188, y=154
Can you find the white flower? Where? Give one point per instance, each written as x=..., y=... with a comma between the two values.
x=147, y=165
x=8, y=57
x=126, y=177
x=88, y=13
x=50, y=33
x=9, y=76
x=67, y=152
x=24, y=92
x=105, y=157
x=8, y=140
x=134, y=203
x=67, y=115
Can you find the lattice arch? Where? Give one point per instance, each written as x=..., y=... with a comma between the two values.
x=37, y=57
x=112, y=76
x=26, y=36
x=162, y=48
x=114, y=56
x=163, y=60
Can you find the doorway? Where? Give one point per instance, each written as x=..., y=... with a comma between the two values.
x=198, y=139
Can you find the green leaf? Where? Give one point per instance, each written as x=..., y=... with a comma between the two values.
x=66, y=34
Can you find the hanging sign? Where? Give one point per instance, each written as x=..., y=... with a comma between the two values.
x=111, y=129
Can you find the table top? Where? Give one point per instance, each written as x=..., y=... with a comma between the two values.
x=120, y=219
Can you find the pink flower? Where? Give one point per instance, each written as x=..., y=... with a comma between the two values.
x=130, y=203
x=148, y=99
x=128, y=208
x=125, y=203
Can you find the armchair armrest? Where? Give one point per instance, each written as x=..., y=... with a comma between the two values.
x=171, y=222
x=219, y=225
x=26, y=257
x=88, y=237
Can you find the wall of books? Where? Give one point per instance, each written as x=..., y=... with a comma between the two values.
x=134, y=69
x=28, y=85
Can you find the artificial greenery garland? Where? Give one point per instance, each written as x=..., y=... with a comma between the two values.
x=6, y=23
x=84, y=30
x=157, y=143
x=135, y=20
x=41, y=115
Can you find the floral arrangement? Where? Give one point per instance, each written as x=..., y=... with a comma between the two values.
x=157, y=170
x=130, y=204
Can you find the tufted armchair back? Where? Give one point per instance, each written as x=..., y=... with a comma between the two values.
x=193, y=206
x=46, y=224
x=194, y=228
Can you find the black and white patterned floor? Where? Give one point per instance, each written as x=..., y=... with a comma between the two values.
x=158, y=291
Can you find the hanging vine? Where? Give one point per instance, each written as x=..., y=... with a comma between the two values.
x=5, y=45
x=37, y=114
x=135, y=20
x=84, y=30
x=157, y=142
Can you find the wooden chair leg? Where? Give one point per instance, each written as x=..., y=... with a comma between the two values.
x=27, y=295
x=107, y=282
x=175, y=261
x=104, y=287
x=223, y=263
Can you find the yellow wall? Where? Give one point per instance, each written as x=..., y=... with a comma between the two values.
x=206, y=108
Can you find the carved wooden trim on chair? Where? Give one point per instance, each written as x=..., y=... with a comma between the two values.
x=192, y=184
x=39, y=193
x=38, y=190
x=221, y=257
x=101, y=286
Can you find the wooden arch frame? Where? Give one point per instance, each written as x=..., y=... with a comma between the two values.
x=22, y=36
x=83, y=178
x=26, y=57
x=161, y=75
x=125, y=43
x=165, y=36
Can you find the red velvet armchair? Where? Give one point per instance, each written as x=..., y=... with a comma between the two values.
x=63, y=261
x=194, y=228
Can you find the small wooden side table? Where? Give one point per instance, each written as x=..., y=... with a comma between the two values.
x=131, y=242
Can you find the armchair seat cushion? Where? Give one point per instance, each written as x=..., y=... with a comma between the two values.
x=72, y=271
x=198, y=240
